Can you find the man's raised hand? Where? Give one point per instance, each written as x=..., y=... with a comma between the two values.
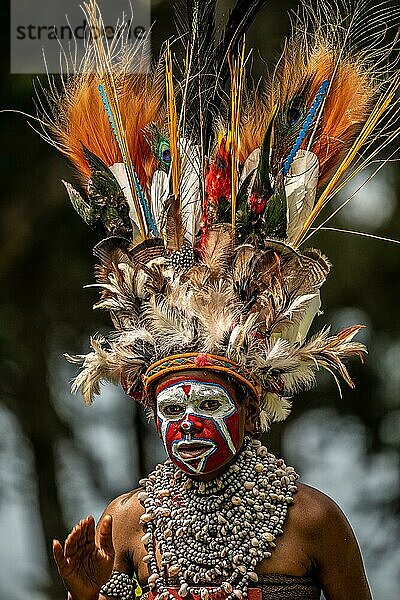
x=84, y=566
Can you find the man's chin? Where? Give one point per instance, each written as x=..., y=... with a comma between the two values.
x=191, y=456
x=195, y=460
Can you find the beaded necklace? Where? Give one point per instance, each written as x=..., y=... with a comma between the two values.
x=211, y=535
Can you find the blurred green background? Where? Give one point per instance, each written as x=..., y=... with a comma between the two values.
x=60, y=461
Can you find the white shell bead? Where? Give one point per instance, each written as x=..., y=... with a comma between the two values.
x=146, y=518
x=248, y=485
x=167, y=557
x=174, y=570
x=183, y=590
x=262, y=451
x=146, y=538
x=167, y=533
x=221, y=519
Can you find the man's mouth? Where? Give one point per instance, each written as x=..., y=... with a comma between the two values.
x=193, y=449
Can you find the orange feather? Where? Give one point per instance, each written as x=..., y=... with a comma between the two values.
x=80, y=118
x=346, y=109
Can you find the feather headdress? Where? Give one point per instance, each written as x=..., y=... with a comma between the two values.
x=203, y=192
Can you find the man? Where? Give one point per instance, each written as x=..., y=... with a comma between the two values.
x=317, y=549
x=203, y=199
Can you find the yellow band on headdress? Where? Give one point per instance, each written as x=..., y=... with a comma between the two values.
x=197, y=360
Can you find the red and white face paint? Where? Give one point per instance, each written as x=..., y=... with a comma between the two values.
x=199, y=423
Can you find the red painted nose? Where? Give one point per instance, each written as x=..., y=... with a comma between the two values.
x=191, y=425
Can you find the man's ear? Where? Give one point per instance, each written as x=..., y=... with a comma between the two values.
x=252, y=414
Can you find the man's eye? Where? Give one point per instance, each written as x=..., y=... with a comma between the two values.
x=173, y=409
x=210, y=405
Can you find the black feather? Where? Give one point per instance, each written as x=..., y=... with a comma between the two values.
x=210, y=50
x=239, y=21
x=109, y=210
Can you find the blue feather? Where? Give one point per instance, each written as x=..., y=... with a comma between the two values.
x=139, y=190
x=306, y=126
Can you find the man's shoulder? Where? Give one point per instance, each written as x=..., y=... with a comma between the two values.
x=313, y=510
x=126, y=509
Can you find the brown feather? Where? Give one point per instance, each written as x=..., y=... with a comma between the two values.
x=217, y=248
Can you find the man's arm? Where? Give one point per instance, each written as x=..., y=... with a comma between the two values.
x=336, y=553
x=83, y=564
x=88, y=556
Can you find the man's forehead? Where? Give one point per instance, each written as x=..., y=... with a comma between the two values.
x=188, y=387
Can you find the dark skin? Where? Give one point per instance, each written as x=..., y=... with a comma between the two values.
x=317, y=541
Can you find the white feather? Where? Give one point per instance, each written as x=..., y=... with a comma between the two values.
x=190, y=187
x=299, y=332
x=159, y=193
x=276, y=407
x=300, y=187
x=251, y=163
x=169, y=326
x=308, y=307
x=120, y=174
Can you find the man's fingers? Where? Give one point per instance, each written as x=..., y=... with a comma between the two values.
x=90, y=526
x=71, y=543
x=60, y=559
x=82, y=535
x=105, y=535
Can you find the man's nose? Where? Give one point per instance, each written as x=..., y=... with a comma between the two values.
x=191, y=424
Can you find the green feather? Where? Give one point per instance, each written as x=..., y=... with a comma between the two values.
x=275, y=214
x=106, y=209
x=82, y=208
x=160, y=146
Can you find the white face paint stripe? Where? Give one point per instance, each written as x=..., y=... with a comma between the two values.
x=200, y=391
x=202, y=458
x=226, y=434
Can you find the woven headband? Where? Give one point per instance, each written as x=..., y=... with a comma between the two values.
x=195, y=360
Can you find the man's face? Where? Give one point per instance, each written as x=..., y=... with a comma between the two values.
x=200, y=422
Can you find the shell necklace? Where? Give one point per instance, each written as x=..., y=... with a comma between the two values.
x=211, y=535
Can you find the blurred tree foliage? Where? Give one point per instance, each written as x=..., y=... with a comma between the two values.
x=46, y=259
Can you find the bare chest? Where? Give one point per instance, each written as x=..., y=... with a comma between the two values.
x=291, y=556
